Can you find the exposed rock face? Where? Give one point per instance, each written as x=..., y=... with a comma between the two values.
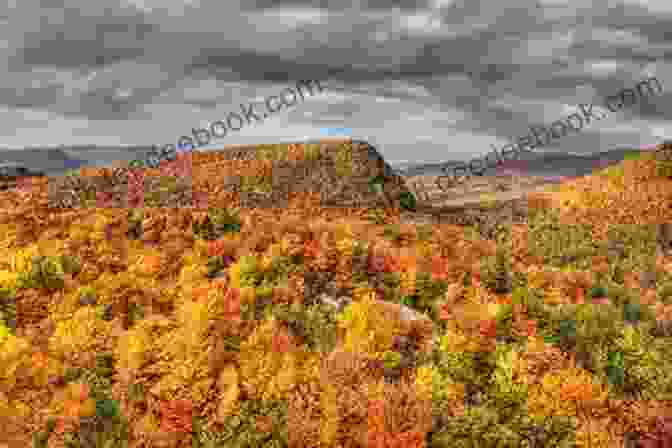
x=376, y=156
x=484, y=217
x=663, y=152
x=340, y=173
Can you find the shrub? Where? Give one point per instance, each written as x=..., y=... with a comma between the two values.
x=665, y=292
x=344, y=163
x=377, y=184
x=391, y=359
x=71, y=264
x=533, y=302
x=428, y=292
x=255, y=184
x=366, y=329
x=204, y=229
x=556, y=243
x=376, y=215
x=88, y=296
x=597, y=292
x=215, y=265
x=635, y=369
x=46, y=272
x=244, y=272
x=495, y=272
x=632, y=312
x=620, y=294
x=315, y=324
x=312, y=152
x=393, y=232
x=136, y=392
x=597, y=326
x=14, y=352
x=509, y=383
x=135, y=218
x=241, y=430
x=76, y=334
x=424, y=232
x=40, y=439
x=226, y=220
x=479, y=426
x=8, y=309
x=269, y=369
x=664, y=169
x=107, y=408
x=407, y=201
x=640, y=241
x=563, y=393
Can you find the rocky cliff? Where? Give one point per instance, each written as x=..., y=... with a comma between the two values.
x=339, y=171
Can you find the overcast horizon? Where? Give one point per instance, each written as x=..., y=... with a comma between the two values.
x=424, y=81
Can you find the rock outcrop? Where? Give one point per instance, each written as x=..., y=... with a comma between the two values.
x=339, y=171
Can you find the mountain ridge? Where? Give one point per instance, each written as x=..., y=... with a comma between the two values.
x=64, y=157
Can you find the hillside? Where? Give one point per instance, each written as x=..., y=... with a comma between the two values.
x=277, y=303
x=46, y=160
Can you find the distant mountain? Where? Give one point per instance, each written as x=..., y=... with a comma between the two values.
x=48, y=161
x=534, y=163
x=57, y=160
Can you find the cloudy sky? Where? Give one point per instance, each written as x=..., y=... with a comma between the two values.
x=424, y=81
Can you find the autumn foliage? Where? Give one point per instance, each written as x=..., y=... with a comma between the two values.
x=312, y=326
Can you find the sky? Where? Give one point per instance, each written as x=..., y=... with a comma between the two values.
x=424, y=81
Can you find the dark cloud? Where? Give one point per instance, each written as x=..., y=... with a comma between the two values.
x=268, y=68
x=402, y=70
x=80, y=53
x=28, y=98
x=203, y=104
x=336, y=5
x=637, y=19
x=68, y=38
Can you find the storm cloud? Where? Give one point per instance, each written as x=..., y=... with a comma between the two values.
x=425, y=80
